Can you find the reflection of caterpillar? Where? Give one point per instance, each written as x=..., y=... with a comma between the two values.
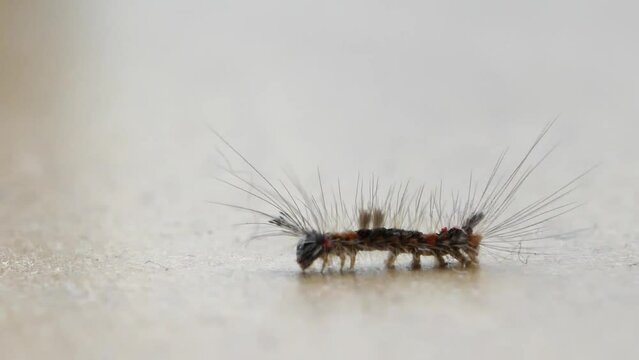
x=325, y=227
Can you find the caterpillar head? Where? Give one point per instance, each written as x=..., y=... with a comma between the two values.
x=309, y=249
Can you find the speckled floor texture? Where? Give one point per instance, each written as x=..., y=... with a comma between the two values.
x=111, y=249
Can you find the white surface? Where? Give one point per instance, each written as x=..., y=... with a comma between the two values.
x=108, y=248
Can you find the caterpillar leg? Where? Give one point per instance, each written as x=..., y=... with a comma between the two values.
x=439, y=259
x=324, y=262
x=416, y=263
x=342, y=260
x=352, y=264
x=390, y=261
x=472, y=256
x=463, y=260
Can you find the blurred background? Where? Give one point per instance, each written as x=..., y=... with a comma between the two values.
x=109, y=249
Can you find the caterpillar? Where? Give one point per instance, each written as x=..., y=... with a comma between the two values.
x=405, y=220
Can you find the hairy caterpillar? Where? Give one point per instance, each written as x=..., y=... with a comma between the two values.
x=408, y=221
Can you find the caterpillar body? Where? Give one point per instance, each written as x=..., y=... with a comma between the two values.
x=409, y=221
x=459, y=243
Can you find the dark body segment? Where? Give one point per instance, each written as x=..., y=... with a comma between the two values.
x=453, y=242
x=395, y=241
x=459, y=243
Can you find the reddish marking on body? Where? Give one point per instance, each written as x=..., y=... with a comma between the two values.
x=474, y=240
x=443, y=230
x=431, y=239
x=346, y=235
x=327, y=243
